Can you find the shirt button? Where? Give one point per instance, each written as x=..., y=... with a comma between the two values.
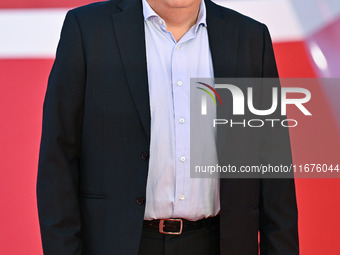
x=181, y=120
x=182, y=158
x=179, y=83
x=181, y=197
x=160, y=22
x=178, y=47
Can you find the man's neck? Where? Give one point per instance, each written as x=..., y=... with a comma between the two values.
x=179, y=18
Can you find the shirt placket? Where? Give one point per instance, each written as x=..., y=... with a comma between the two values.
x=181, y=100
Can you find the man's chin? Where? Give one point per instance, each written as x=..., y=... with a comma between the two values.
x=180, y=3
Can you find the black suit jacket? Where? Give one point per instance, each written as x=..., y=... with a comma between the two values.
x=93, y=161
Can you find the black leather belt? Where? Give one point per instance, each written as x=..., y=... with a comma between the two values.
x=177, y=226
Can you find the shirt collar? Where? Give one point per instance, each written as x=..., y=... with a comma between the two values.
x=201, y=19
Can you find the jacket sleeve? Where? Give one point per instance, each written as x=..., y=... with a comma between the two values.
x=58, y=170
x=278, y=209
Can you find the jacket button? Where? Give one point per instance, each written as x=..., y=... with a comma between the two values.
x=140, y=200
x=145, y=155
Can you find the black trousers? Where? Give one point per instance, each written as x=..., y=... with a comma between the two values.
x=203, y=241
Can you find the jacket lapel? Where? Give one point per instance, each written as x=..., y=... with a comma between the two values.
x=223, y=41
x=129, y=33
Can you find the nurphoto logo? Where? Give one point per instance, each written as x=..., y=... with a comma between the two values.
x=302, y=96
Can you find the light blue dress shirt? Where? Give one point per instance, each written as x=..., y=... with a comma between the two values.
x=171, y=193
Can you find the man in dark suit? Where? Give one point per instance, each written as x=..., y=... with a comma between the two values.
x=98, y=174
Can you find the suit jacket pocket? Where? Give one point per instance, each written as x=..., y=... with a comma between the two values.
x=93, y=195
